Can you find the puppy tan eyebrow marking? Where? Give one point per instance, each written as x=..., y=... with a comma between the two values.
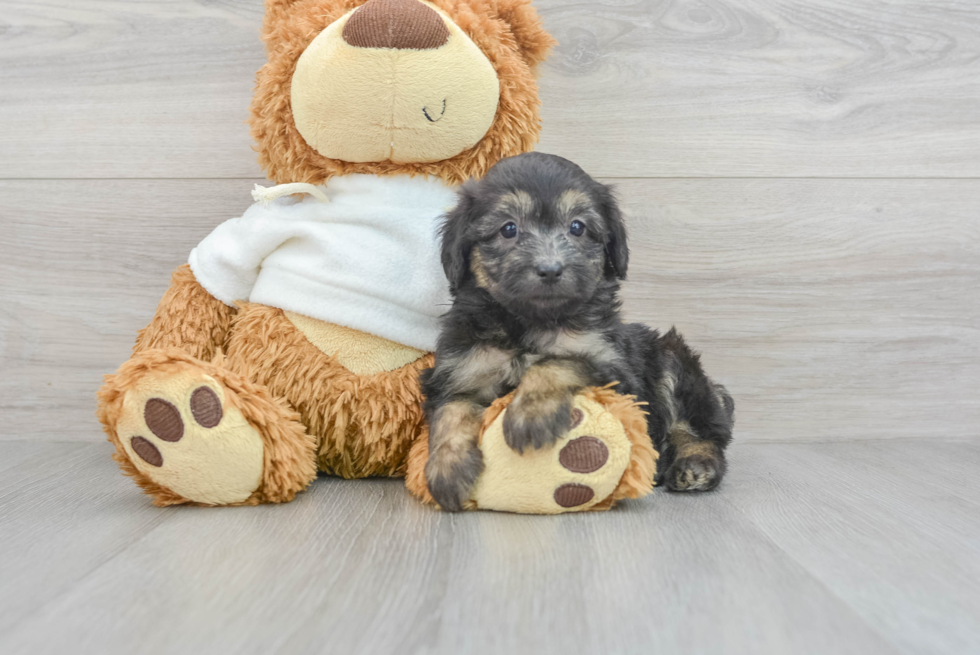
x=571, y=200
x=519, y=202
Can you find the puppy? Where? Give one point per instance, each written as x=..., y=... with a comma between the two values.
x=534, y=253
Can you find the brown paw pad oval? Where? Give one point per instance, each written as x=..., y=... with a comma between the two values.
x=147, y=451
x=584, y=455
x=163, y=419
x=577, y=417
x=573, y=495
x=206, y=407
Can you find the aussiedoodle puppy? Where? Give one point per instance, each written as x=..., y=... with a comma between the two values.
x=534, y=253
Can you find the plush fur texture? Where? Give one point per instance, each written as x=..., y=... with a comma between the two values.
x=359, y=352
x=364, y=428
x=636, y=481
x=287, y=448
x=309, y=410
x=189, y=318
x=534, y=253
x=508, y=32
x=364, y=424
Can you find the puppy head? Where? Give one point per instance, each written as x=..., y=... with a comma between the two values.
x=538, y=234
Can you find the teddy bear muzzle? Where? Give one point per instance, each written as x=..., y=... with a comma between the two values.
x=393, y=80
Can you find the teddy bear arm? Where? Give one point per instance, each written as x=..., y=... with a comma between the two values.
x=189, y=318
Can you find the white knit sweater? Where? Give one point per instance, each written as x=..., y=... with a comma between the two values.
x=368, y=259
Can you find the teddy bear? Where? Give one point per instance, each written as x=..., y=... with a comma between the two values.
x=292, y=340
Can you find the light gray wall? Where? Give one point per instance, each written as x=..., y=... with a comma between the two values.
x=802, y=180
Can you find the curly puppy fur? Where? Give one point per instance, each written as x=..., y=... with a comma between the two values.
x=535, y=253
x=508, y=32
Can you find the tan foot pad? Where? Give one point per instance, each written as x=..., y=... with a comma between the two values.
x=179, y=432
x=579, y=472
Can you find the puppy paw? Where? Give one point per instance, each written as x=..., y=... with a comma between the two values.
x=536, y=420
x=695, y=473
x=451, y=473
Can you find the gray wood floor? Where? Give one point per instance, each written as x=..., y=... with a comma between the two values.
x=863, y=547
x=803, y=184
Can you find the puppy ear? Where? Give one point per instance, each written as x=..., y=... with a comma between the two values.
x=456, y=243
x=617, y=250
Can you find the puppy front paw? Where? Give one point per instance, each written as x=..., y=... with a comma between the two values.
x=451, y=473
x=695, y=473
x=537, y=420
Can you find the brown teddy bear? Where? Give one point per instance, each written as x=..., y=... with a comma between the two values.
x=293, y=338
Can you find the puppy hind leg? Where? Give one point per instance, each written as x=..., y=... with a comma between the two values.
x=699, y=415
x=699, y=436
x=698, y=464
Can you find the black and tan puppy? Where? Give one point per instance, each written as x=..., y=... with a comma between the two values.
x=534, y=253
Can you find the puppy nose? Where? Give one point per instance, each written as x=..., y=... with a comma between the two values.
x=398, y=24
x=550, y=272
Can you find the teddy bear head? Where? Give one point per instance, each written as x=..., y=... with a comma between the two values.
x=434, y=87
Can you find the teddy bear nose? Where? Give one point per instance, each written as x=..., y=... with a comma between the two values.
x=397, y=24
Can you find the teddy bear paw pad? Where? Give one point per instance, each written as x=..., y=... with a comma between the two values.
x=577, y=473
x=180, y=432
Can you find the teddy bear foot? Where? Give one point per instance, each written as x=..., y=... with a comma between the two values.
x=586, y=469
x=604, y=457
x=193, y=432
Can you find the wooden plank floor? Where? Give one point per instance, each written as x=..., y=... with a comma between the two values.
x=866, y=547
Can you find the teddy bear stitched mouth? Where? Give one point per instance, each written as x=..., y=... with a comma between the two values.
x=425, y=110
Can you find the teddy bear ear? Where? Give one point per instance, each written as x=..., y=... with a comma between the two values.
x=525, y=25
x=279, y=11
x=279, y=4
x=275, y=12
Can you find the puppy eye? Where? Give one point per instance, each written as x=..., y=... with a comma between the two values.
x=509, y=230
x=577, y=228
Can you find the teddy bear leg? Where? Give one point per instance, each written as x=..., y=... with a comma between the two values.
x=190, y=431
x=604, y=457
